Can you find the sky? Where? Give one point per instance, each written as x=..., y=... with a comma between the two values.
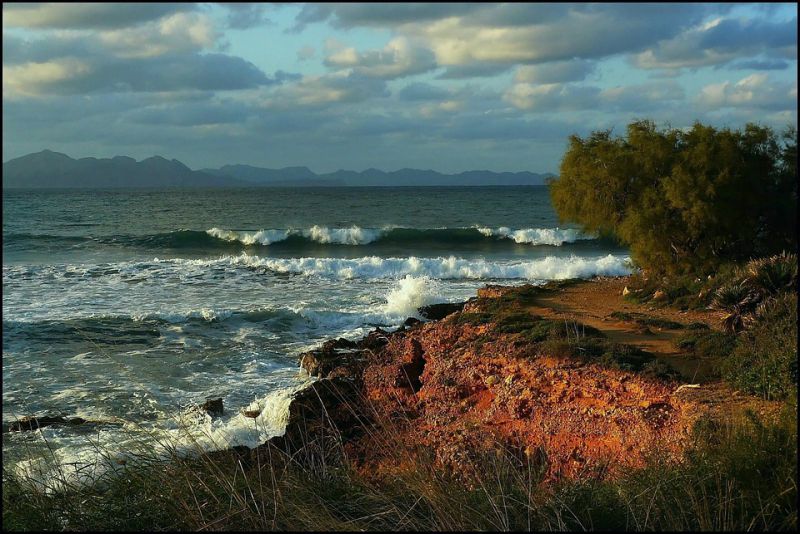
x=449, y=87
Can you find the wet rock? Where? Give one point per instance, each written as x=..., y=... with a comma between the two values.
x=411, y=321
x=213, y=407
x=375, y=340
x=435, y=312
x=334, y=353
x=32, y=422
x=320, y=417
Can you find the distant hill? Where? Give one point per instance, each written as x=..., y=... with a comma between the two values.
x=374, y=177
x=48, y=169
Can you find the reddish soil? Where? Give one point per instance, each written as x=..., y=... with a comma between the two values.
x=451, y=391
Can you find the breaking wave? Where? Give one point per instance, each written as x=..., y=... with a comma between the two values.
x=288, y=238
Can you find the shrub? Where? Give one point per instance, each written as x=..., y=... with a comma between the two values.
x=683, y=201
x=764, y=361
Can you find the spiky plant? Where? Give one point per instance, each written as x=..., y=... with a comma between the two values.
x=738, y=300
x=770, y=276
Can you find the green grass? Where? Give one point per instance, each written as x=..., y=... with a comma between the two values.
x=764, y=361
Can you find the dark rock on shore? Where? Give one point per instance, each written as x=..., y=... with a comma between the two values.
x=435, y=312
x=411, y=321
x=32, y=422
x=321, y=417
x=334, y=353
x=213, y=407
x=342, y=357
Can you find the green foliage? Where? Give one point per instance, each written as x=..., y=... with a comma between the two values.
x=683, y=201
x=764, y=361
x=708, y=343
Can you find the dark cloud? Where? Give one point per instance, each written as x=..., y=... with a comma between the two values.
x=475, y=70
x=192, y=114
x=422, y=91
x=381, y=14
x=761, y=64
x=721, y=43
x=242, y=16
x=555, y=72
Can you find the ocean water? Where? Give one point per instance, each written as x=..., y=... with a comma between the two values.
x=130, y=307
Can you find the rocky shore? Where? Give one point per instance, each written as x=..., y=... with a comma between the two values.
x=491, y=375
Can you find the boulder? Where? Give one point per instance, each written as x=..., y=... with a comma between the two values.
x=435, y=312
x=213, y=407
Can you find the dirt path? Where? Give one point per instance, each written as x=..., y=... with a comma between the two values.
x=593, y=303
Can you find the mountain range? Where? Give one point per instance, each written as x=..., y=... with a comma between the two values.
x=48, y=169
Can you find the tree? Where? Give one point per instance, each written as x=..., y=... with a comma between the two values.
x=683, y=201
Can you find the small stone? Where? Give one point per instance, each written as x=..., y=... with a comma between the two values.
x=625, y=291
x=658, y=295
x=491, y=380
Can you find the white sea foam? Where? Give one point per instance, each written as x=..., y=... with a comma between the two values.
x=354, y=235
x=536, y=236
x=343, y=236
x=262, y=237
x=411, y=293
x=189, y=433
x=374, y=267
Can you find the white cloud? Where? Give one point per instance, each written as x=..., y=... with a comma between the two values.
x=400, y=57
x=338, y=87
x=754, y=91
x=180, y=32
x=32, y=79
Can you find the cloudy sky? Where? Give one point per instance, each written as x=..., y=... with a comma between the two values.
x=449, y=87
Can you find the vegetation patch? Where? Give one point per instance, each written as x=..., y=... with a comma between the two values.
x=764, y=361
x=738, y=474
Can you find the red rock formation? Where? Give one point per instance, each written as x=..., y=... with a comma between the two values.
x=455, y=390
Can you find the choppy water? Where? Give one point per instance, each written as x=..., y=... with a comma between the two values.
x=130, y=306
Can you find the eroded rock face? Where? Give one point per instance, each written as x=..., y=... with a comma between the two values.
x=456, y=389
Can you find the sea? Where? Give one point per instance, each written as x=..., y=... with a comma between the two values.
x=129, y=308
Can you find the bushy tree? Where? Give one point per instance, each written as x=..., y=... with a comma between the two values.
x=683, y=201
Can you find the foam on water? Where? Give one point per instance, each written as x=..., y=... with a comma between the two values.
x=411, y=293
x=72, y=463
x=375, y=267
x=536, y=236
x=354, y=235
